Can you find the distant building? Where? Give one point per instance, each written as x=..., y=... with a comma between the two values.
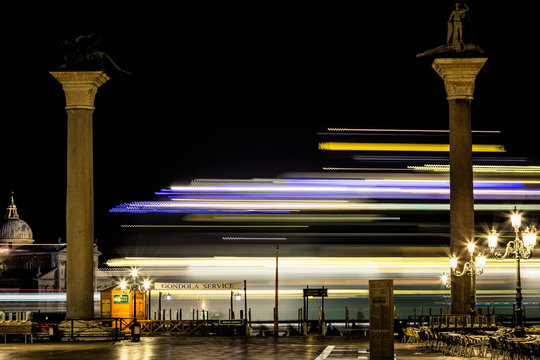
x=25, y=265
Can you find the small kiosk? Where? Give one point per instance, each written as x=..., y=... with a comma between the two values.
x=118, y=303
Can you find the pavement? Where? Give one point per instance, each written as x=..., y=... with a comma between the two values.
x=214, y=348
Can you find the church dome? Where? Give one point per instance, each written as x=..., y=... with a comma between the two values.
x=14, y=230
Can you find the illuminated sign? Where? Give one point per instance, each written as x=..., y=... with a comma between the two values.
x=121, y=299
x=198, y=286
x=234, y=322
x=316, y=292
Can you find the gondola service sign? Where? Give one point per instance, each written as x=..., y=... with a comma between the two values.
x=198, y=286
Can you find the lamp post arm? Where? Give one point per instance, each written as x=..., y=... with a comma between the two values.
x=466, y=269
x=479, y=271
x=510, y=249
x=522, y=251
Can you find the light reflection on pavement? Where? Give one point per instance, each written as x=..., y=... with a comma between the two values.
x=214, y=348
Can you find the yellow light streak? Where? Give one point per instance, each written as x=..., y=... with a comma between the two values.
x=211, y=226
x=361, y=263
x=346, y=146
x=332, y=293
x=493, y=169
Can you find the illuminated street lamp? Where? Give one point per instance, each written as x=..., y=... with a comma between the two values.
x=444, y=280
x=519, y=248
x=474, y=267
x=135, y=284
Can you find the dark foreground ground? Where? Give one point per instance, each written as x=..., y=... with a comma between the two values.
x=163, y=348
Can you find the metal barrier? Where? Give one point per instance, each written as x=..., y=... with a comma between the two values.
x=452, y=322
x=17, y=324
x=172, y=327
x=178, y=327
x=17, y=316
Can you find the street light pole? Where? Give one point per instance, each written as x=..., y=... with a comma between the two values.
x=134, y=304
x=232, y=306
x=135, y=285
x=520, y=248
x=474, y=267
x=160, y=294
x=276, y=319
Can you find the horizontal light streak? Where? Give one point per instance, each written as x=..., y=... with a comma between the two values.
x=52, y=297
x=411, y=263
x=433, y=159
x=253, y=238
x=360, y=207
x=332, y=293
x=505, y=169
x=290, y=217
x=411, y=130
x=209, y=226
x=254, y=293
x=350, y=146
x=353, y=183
x=285, y=196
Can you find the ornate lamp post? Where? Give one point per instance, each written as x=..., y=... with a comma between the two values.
x=135, y=284
x=519, y=248
x=474, y=267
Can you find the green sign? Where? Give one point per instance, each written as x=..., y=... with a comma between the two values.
x=121, y=299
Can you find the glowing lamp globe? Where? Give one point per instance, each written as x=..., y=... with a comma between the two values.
x=453, y=262
x=529, y=240
x=493, y=238
x=471, y=247
x=444, y=279
x=516, y=220
x=481, y=261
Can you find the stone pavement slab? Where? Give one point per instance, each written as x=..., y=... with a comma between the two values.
x=214, y=348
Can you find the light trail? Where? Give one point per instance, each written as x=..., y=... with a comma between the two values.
x=350, y=146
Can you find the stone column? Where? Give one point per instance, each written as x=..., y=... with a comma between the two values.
x=80, y=88
x=459, y=75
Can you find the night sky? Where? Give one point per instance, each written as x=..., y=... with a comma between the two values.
x=241, y=92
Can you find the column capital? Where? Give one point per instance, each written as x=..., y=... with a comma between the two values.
x=80, y=87
x=459, y=75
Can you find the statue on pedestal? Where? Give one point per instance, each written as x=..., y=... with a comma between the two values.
x=455, y=24
x=455, y=43
x=82, y=53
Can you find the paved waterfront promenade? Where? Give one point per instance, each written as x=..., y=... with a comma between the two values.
x=214, y=348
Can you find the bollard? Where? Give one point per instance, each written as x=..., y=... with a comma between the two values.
x=136, y=331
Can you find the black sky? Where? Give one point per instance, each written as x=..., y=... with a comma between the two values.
x=236, y=91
